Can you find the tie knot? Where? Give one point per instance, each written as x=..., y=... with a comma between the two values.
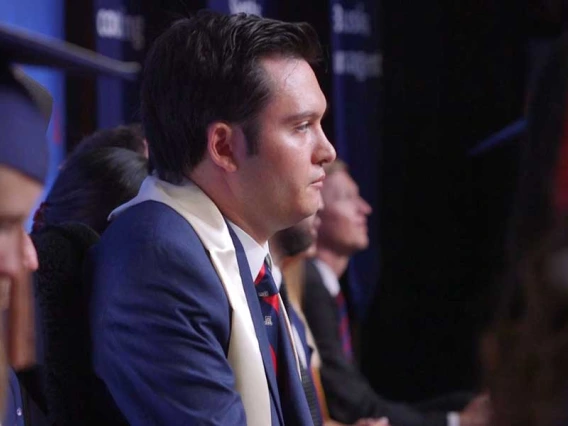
x=264, y=282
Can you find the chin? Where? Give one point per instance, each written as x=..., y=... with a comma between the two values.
x=307, y=210
x=362, y=244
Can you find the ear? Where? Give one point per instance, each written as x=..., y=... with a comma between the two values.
x=222, y=145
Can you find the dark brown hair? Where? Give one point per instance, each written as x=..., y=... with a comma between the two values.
x=205, y=69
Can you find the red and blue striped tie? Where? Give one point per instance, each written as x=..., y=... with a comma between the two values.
x=270, y=307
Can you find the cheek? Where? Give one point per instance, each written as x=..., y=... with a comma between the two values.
x=290, y=180
x=334, y=223
x=289, y=152
x=349, y=226
x=273, y=169
x=341, y=218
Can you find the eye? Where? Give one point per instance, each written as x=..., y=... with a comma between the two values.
x=303, y=127
x=7, y=226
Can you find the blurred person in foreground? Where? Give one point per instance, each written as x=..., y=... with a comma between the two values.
x=525, y=349
x=342, y=233
x=290, y=248
x=230, y=104
x=23, y=169
x=25, y=111
x=528, y=373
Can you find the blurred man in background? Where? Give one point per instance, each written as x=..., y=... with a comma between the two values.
x=290, y=248
x=342, y=233
x=25, y=108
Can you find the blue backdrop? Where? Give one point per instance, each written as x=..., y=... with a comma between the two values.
x=48, y=19
x=120, y=34
x=265, y=8
x=357, y=68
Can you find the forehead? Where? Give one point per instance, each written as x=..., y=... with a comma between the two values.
x=18, y=193
x=293, y=86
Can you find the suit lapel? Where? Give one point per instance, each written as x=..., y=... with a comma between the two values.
x=295, y=404
x=258, y=321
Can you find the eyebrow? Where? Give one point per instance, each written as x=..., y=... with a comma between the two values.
x=306, y=115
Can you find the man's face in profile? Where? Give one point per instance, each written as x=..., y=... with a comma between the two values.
x=344, y=216
x=284, y=179
x=299, y=238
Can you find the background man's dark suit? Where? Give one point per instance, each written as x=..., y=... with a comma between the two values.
x=348, y=393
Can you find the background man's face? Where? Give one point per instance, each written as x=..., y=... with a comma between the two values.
x=18, y=194
x=299, y=238
x=344, y=216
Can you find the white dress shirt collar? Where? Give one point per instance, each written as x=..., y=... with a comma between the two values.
x=255, y=253
x=330, y=280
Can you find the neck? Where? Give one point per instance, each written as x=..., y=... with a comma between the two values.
x=277, y=255
x=230, y=206
x=338, y=263
x=229, y=212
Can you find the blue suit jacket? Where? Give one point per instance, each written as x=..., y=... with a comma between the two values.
x=161, y=325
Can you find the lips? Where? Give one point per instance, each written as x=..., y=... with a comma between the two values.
x=319, y=180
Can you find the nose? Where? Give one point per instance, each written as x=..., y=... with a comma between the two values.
x=364, y=207
x=325, y=152
x=29, y=254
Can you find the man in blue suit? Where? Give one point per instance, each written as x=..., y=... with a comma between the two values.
x=186, y=328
